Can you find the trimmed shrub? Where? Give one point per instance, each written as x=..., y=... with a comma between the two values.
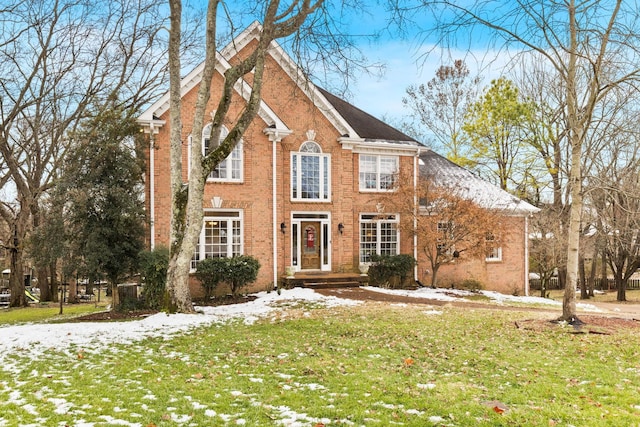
x=153, y=268
x=237, y=272
x=469, y=285
x=209, y=273
x=391, y=271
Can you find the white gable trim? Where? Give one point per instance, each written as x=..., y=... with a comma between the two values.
x=312, y=92
x=295, y=74
x=194, y=78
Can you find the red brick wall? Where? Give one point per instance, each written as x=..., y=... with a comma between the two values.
x=506, y=276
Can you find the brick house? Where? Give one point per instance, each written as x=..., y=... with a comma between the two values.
x=302, y=189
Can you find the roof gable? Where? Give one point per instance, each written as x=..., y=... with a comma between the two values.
x=355, y=125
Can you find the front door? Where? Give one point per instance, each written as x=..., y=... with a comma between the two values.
x=310, y=245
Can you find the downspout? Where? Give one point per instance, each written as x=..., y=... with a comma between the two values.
x=416, y=210
x=152, y=188
x=274, y=213
x=526, y=256
x=275, y=136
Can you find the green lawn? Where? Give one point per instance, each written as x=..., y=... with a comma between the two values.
x=47, y=312
x=371, y=365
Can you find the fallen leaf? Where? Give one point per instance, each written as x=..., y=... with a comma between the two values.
x=408, y=361
x=497, y=406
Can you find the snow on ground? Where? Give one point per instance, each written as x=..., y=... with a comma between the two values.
x=443, y=294
x=40, y=337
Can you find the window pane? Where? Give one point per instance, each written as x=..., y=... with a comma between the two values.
x=294, y=176
x=368, y=172
x=221, y=237
x=325, y=186
x=310, y=179
x=388, y=239
x=388, y=171
x=230, y=169
x=294, y=237
x=368, y=239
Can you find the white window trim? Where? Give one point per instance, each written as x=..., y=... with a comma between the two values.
x=491, y=241
x=209, y=216
x=362, y=219
x=498, y=256
x=297, y=155
x=378, y=158
x=228, y=159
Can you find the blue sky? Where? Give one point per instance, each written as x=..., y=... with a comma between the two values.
x=405, y=65
x=403, y=57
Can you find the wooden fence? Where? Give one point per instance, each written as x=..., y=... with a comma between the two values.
x=553, y=283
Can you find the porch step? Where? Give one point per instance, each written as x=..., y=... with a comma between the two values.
x=325, y=280
x=331, y=284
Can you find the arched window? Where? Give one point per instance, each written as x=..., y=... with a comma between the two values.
x=310, y=174
x=230, y=169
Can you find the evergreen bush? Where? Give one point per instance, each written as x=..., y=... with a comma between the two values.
x=237, y=272
x=153, y=268
x=391, y=270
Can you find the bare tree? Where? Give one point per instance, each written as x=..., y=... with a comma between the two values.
x=57, y=60
x=548, y=248
x=592, y=46
x=440, y=106
x=616, y=203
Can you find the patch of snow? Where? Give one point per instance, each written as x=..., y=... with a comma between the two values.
x=38, y=338
x=428, y=386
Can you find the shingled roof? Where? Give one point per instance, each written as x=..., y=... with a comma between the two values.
x=367, y=126
x=444, y=172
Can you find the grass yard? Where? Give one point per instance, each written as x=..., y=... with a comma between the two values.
x=373, y=364
x=48, y=312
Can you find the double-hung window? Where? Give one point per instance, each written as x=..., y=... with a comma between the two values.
x=379, y=235
x=310, y=174
x=444, y=244
x=378, y=173
x=230, y=169
x=221, y=236
x=494, y=250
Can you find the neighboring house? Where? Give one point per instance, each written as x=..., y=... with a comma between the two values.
x=302, y=189
x=505, y=268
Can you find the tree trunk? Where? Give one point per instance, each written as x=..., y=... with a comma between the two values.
x=16, y=279
x=576, y=133
x=592, y=275
x=583, y=279
x=43, y=284
x=178, y=295
x=53, y=282
x=621, y=285
x=605, y=282
x=434, y=274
